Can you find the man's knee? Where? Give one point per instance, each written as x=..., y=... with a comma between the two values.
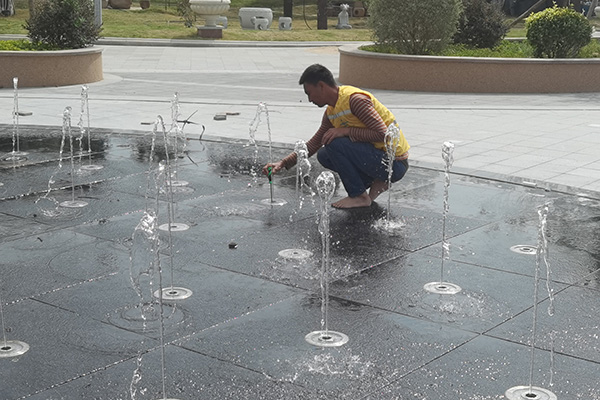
x=323, y=157
x=337, y=145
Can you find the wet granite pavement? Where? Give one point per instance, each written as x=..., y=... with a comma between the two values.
x=66, y=284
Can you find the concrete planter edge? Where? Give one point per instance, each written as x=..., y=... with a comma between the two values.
x=51, y=68
x=467, y=74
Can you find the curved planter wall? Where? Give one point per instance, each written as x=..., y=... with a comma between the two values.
x=51, y=68
x=467, y=74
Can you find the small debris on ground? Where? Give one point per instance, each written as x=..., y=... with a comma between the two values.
x=220, y=117
x=233, y=245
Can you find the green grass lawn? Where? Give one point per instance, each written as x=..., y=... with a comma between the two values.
x=162, y=21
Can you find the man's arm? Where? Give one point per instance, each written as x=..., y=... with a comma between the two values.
x=363, y=109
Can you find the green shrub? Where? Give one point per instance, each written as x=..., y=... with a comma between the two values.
x=557, y=32
x=481, y=24
x=20, y=45
x=66, y=24
x=414, y=26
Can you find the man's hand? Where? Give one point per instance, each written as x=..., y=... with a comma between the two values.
x=333, y=133
x=275, y=167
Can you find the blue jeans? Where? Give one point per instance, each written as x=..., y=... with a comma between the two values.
x=358, y=164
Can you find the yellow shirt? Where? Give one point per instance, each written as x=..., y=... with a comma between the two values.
x=341, y=116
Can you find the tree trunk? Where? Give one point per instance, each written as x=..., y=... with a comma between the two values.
x=592, y=7
x=322, y=14
x=288, y=6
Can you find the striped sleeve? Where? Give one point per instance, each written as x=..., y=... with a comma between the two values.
x=362, y=107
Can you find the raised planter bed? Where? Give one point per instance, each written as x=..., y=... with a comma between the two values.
x=51, y=68
x=467, y=74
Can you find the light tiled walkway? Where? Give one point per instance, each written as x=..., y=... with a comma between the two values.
x=551, y=140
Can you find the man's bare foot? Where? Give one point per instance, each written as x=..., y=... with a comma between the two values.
x=353, y=202
x=377, y=187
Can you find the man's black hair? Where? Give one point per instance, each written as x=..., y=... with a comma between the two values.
x=317, y=73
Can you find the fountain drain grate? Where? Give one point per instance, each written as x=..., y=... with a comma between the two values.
x=73, y=204
x=91, y=167
x=524, y=249
x=13, y=348
x=174, y=293
x=14, y=158
x=179, y=183
x=326, y=338
x=442, y=288
x=274, y=202
x=529, y=393
x=175, y=227
x=295, y=254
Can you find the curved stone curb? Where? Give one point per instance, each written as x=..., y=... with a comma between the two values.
x=467, y=74
x=51, y=68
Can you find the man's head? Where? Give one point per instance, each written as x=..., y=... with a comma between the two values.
x=319, y=85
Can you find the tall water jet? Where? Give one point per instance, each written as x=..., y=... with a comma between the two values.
x=443, y=287
x=83, y=132
x=67, y=131
x=325, y=338
x=175, y=182
x=303, y=168
x=10, y=348
x=171, y=225
x=530, y=391
x=147, y=232
x=171, y=293
x=254, y=125
x=392, y=140
x=16, y=154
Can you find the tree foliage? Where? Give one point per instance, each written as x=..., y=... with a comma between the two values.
x=414, y=26
x=482, y=24
x=66, y=24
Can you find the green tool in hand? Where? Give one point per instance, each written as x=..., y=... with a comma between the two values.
x=270, y=176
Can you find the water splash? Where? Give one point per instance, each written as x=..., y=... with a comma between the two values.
x=145, y=262
x=392, y=141
x=325, y=188
x=254, y=125
x=443, y=287
x=81, y=124
x=447, y=156
x=303, y=168
x=325, y=184
x=541, y=258
x=16, y=147
x=67, y=127
x=179, y=138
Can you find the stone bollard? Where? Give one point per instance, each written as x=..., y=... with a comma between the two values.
x=285, y=23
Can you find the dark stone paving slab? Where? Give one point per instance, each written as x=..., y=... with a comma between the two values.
x=54, y=260
x=217, y=296
x=101, y=204
x=63, y=346
x=485, y=368
x=66, y=280
x=574, y=329
x=490, y=246
x=383, y=346
x=488, y=297
x=188, y=375
x=12, y=227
